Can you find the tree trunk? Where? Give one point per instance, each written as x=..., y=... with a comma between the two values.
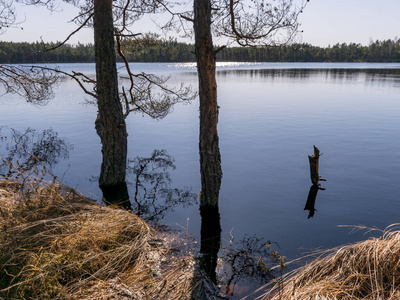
x=210, y=158
x=110, y=123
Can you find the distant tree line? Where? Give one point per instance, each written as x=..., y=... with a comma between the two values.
x=173, y=51
x=35, y=53
x=378, y=51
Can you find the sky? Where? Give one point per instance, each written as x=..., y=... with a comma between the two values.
x=324, y=22
x=327, y=22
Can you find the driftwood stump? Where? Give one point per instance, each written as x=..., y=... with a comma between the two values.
x=315, y=179
x=313, y=159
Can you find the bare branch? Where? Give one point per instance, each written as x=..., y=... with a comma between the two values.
x=258, y=25
x=186, y=18
x=7, y=15
x=49, y=4
x=80, y=78
x=82, y=14
x=219, y=49
x=34, y=84
x=152, y=97
x=128, y=35
x=71, y=34
x=146, y=93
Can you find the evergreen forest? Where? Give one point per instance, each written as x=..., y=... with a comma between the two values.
x=173, y=51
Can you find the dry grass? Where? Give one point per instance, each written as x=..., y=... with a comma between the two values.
x=57, y=244
x=365, y=270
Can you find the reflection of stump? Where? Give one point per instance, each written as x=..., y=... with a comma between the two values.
x=310, y=204
x=315, y=178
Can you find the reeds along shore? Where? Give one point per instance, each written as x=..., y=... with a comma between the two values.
x=364, y=270
x=57, y=244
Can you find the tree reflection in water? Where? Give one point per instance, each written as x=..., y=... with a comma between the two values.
x=210, y=237
x=247, y=264
x=242, y=266
x=153, y=195
x=30, y=152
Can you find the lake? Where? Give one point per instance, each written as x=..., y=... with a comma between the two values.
x=271, y=115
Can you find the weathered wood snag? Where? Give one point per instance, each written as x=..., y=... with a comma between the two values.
x=314, y=160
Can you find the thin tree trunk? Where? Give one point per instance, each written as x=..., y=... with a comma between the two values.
x=210, y=158
x=110, y=123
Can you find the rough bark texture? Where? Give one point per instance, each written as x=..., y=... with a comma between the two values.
x=110, y=124
x=210, y=158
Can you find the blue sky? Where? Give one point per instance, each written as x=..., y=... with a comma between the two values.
x=324, y=22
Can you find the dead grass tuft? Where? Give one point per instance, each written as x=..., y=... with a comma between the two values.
x=365, y=270
x=57, y=244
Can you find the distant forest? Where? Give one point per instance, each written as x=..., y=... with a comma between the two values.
x=173, y=51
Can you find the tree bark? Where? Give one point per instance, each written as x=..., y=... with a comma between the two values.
x=210, y=158
x=110, y=123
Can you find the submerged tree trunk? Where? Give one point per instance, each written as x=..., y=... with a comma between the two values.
x=210, y=158
x=110, y=123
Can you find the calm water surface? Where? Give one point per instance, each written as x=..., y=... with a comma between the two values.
x=270, y=117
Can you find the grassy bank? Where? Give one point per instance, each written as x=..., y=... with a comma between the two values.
x=57, y=244
x=364, y=270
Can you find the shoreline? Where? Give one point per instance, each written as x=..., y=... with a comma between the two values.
x=58, y=244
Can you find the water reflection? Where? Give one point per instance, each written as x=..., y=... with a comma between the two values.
x=310, y=204
x=210, y=236
x=312, y=196
x=29, y=151
x=371, y=76
x=243, y=266
x=248, y=264
x=153, y=196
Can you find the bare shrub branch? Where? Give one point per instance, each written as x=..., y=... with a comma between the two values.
x=33, y=83
x=85, y=82
x=257, y=23
x=148, y=93
x=84, y=23
x=7, y=15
